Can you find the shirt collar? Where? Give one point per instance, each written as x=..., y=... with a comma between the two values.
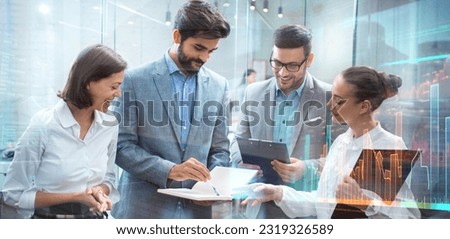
x=104, y=119
x=298, y=90
x=64, y=114
x=171, y=66
x=365, y=137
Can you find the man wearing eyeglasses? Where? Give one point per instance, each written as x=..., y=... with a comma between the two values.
x=288, y=108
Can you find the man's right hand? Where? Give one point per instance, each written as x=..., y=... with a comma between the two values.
x=190, y=169
x=290, y=172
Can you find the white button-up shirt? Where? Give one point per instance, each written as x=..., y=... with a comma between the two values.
x=51, y=157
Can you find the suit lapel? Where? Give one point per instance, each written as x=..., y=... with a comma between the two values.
x=201, y=96
x=305, y=101
x=269, y=95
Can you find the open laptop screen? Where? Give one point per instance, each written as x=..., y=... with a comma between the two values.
x=384, y=171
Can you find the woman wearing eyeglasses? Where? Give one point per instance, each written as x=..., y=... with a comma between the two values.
x=357, y=92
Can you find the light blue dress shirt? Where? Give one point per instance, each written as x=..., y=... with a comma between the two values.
x=286, y=115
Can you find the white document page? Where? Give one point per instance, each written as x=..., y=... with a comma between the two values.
x=223, y=179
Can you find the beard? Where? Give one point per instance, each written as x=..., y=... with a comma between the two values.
x=187, y=62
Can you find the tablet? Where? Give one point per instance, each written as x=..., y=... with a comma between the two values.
x=261, y=153
x=384, y=171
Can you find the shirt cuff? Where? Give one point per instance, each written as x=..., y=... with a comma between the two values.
x=375, y=203
x=27, y=200
x=113, y=193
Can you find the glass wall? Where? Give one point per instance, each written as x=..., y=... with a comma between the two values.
x=411, y=39
x=40, y=39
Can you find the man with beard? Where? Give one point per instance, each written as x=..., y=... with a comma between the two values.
x=173, y=128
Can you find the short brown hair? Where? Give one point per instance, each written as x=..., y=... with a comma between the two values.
x=197, y=18
x=293, y=36
x=92, y=64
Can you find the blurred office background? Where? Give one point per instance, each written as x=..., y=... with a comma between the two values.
x=39, y=40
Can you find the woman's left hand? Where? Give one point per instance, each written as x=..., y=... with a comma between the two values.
x=349, y=192
x=103, y=201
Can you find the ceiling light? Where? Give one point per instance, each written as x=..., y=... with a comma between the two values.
x=280, y=12
x=44, y=9
x=168, y=17
x=252, y=5
x=266, y=6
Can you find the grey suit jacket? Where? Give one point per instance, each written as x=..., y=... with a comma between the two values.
x=149, y=140
x=258, y=114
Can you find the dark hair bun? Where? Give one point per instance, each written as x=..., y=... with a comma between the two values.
x=392, y=83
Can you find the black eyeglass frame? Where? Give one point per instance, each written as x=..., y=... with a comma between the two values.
x=271, y=61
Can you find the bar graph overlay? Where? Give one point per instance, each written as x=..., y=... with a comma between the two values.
x=384, y=171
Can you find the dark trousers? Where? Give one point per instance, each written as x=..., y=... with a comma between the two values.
x=67, y=211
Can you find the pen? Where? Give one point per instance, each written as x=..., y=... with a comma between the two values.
x=214, y=188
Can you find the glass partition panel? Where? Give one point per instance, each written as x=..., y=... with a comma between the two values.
x=411, y=39
x=39, y=41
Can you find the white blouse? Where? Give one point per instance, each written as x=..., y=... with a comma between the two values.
x=342, y=157
x=50, y=157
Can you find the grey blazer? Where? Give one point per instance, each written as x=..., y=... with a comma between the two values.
x=149, y=140
x=258, y=112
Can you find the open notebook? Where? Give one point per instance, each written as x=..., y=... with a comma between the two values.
x=223, y=180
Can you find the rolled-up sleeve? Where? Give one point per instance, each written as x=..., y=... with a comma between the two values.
x=19, y=189
x=297, y=203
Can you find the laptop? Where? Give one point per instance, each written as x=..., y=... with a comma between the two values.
x=381, y=171
x=384, y=171
x=261, y=153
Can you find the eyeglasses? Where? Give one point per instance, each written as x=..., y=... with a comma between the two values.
x=336, y=102
x=291, y=67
